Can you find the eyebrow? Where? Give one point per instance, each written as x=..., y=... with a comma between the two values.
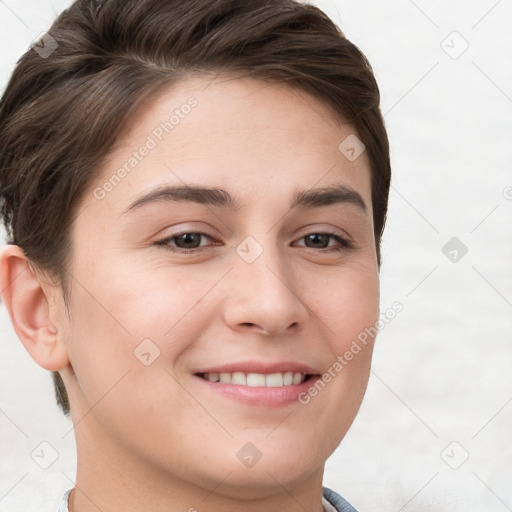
x=313, y=198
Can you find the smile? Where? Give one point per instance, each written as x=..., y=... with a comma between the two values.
x=271, y=380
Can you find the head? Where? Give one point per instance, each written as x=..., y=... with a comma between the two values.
x=189, y=188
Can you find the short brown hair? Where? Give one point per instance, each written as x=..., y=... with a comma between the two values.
x=61, y=113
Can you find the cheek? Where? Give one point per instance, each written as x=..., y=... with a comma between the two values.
x=347, y=303
x=127, y=341
x=348, y=309
x=119, y=323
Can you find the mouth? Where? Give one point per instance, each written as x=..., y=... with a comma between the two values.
x=262, y=384
x=262, y=380
x=258, y=383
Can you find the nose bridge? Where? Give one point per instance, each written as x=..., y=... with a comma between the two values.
x=262, y=293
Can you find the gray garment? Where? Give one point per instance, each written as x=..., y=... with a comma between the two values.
x=63, y=507
x=331, y=502
x=339, y=503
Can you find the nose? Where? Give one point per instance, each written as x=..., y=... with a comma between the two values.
x=264, y=297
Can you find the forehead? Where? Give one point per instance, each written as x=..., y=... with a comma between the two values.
x=242, y=134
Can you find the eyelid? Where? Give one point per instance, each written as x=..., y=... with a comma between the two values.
x=182, y=228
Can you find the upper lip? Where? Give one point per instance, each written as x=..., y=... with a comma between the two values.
x=260, y=367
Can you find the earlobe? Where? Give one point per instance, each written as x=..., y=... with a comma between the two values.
x=29, y=308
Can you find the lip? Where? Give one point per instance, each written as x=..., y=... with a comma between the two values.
x=260, y=367
x=267, y=397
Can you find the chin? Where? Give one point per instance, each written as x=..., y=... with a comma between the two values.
x=256, y=484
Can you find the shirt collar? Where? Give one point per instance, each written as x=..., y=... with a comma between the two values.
x=64, y=503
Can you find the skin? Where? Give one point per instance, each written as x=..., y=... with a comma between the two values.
x=155, y=437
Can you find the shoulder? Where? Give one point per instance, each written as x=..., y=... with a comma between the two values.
x=339, y=503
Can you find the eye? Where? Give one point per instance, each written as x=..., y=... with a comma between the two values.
x=185, y=241
x=323, y=241
x=191, y=241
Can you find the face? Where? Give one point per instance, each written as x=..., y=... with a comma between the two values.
x=218, y=278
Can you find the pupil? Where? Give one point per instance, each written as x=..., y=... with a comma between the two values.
x=317, y=240
x=189, y=240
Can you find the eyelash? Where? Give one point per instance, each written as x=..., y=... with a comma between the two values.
x=344, y=244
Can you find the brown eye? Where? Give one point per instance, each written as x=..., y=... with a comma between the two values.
x=186, y=241
x=317, y=240
x=323, y=241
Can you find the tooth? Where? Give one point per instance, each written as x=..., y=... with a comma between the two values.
x=274, y=380
x=239, y=378
x=255, y=379
x=287, y=378
x=225, y=377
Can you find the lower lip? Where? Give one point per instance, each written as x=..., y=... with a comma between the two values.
x=263, y=396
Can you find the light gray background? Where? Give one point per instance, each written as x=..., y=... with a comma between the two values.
x=441, y=370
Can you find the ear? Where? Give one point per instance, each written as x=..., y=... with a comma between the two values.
x=27, y=301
